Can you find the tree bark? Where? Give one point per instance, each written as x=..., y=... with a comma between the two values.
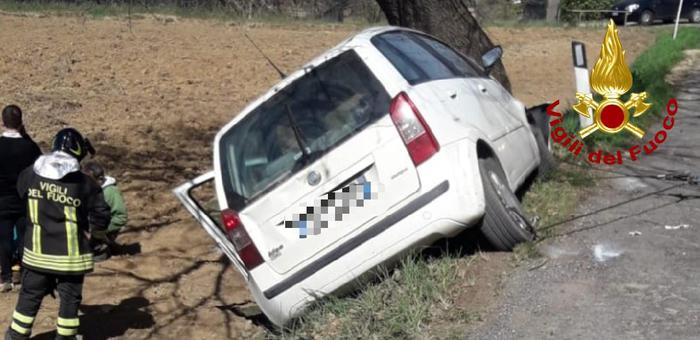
x=448, y=20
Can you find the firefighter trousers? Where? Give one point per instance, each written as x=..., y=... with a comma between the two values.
x=36, y=285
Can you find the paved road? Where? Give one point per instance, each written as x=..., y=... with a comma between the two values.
x=600, y=282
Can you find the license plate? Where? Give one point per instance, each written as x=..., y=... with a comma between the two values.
x=615, y=14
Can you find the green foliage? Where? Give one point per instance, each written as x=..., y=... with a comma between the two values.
x=488, y=12
x=586, y=5
x=321, y=11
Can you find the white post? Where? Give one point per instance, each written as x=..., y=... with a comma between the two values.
x=583, y=85
x=678, y=18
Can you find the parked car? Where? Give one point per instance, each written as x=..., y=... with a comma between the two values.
x=384, y=143
x=645, y=12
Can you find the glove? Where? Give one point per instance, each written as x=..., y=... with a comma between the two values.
x=100, y=235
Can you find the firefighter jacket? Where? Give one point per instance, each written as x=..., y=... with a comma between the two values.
x=62, y=205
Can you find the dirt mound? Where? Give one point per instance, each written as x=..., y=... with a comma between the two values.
x=151, y=99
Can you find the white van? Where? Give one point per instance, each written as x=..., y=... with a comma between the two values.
x=388, y=141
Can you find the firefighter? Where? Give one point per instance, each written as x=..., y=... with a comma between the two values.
x=62, y=204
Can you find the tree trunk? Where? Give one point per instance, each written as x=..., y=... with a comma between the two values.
x=448, y=20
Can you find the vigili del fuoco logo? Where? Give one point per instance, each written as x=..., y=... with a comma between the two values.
x=611, y=78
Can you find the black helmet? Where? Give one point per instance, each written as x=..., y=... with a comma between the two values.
x=70, y=141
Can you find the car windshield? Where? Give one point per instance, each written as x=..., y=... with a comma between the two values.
x=299, y=124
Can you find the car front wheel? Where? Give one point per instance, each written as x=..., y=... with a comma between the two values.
x=646, y=18
x=504, y=223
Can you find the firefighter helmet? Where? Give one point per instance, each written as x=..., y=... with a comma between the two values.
x=70, y=141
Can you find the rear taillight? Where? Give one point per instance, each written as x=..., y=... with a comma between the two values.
x=416, y=134
x=241, y=241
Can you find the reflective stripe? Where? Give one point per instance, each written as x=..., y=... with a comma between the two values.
x=71, y=231
x=32, y=218
x=58, y=263
x=19, y=329
x=66, y=331
x=22, y=318
x=68, y=322
x=37, y=239
x=32, y=211
x=36, y=229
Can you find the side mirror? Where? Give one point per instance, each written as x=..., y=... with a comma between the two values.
x=490, y=58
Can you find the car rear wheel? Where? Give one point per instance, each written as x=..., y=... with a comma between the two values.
x=646, y=18
x=695, y=15
x=504, y=223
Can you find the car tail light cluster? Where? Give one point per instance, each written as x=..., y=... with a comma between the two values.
x=416, y=134
x=241, y=241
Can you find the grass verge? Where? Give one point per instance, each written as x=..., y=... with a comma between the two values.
x=400, y=304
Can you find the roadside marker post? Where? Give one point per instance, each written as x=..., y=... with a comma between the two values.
x=583, y=85
x=678, y=18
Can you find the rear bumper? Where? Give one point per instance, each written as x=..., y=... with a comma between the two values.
x=447, y=202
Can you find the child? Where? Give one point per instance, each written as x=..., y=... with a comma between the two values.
x=105, y=244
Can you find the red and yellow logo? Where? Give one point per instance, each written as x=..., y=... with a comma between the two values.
x=611, y=78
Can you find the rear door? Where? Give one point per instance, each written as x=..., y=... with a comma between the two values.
x=444, y=77
x=206, y=217
x=667, y=9
x=316, y=163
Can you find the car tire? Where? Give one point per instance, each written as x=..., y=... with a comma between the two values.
x=504, y=225
x=646, y=18
x=694, y=15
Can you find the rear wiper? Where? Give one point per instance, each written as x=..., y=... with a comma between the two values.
x=297, y=133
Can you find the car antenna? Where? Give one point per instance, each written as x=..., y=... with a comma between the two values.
x=269, y=61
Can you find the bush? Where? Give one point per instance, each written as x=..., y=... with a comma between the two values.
x=584, y=4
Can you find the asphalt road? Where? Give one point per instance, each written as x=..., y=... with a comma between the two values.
x=625, y=272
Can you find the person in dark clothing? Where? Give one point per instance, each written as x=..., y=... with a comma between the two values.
x=63, y=204
x=17, y=152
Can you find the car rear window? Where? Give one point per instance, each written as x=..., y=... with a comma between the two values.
x=318, y=111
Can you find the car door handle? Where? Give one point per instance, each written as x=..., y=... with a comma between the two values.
x=482, y=88
x=452, y=94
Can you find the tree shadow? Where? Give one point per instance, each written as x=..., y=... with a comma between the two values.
x=108, y=321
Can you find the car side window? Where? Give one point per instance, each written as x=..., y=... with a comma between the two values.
x=413, y=60
x=456, y=61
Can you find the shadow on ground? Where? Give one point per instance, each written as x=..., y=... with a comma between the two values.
x=108, y=321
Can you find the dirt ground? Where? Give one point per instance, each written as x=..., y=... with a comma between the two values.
x=151, y=100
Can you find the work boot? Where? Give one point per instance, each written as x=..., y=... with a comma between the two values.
x=12, y=335
x=6, y=287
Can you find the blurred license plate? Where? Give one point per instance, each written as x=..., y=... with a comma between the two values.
x=615, y=14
